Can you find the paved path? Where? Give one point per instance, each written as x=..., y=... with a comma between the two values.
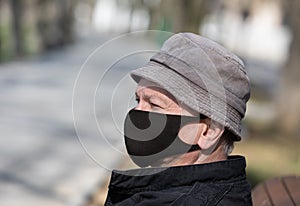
x=41, y=159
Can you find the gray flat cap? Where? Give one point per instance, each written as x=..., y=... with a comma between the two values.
x=204, y=76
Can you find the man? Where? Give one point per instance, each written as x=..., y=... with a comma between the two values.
x=191, y=98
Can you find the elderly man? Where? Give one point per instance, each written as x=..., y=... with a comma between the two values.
x=191, y=98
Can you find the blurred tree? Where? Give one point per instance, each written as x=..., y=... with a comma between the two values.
x=176, y=15
x=55, y=22
x=35, y=25
x=6, y=31
x=17, y=14
x=289, y=98
x=190, y=15
x=132, y=5
x=26, y=36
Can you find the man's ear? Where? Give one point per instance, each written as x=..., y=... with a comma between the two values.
x=210, y=134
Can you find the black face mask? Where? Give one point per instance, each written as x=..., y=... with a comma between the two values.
x=151, y=136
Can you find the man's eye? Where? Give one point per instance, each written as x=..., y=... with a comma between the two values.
x=155, y=105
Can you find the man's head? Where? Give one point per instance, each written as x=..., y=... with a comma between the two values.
x=192, y=75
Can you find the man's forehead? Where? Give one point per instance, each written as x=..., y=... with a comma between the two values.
x=147, y=86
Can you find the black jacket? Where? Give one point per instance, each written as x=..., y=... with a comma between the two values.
x=217, y=183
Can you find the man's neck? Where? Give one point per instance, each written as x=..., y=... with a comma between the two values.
x=195, y=157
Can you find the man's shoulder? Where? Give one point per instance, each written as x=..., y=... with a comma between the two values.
x=202, y=184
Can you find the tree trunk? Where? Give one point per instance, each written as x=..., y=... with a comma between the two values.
x=177, y=15
x=66, y=21
x=289, y=97
x=16, y=6
x=191, y=15
x=7, y=47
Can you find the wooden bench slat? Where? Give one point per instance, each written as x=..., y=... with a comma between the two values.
x=278, y=194
x=293, y=185
x=261, y=196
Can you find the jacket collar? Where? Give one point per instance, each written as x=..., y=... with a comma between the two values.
x=157, y=178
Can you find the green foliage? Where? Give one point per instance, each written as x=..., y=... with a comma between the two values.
x=30, y=40
x=6, y=43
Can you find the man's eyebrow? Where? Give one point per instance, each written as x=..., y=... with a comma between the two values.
x=153, y=97
x=144, y=95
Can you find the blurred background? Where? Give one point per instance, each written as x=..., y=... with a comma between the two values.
x=44, y=43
